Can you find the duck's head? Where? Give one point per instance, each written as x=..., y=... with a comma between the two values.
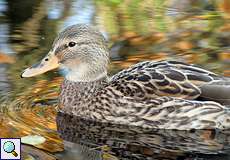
x=80, y=50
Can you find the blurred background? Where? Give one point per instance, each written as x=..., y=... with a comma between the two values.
x=193, y=31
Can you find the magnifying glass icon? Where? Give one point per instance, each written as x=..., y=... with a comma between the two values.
x=9, y=147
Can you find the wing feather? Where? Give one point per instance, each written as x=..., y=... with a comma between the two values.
x=164, y=78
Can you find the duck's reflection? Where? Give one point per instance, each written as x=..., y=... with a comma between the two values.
x=138, y=143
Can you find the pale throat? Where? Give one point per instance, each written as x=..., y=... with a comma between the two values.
x=83, y=73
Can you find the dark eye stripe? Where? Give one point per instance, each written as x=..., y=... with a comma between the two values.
x=63, y=47
x=87, y=42
x=60, y=48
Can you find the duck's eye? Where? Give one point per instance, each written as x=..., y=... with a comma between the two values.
x=71, y=44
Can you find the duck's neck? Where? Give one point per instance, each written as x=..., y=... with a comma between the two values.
x=75, y=96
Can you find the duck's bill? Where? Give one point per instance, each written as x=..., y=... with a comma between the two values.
x=48, y=63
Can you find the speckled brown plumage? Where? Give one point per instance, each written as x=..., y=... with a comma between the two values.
x=95, y=101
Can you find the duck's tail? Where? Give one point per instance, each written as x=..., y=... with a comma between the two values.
x=218, y=91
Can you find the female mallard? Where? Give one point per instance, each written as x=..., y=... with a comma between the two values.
x=148, y=94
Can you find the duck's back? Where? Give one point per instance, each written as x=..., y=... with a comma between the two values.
x=151, y=79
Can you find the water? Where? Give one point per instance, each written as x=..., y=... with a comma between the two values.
x=192, y=31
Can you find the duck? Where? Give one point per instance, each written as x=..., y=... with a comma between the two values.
x=150, y=94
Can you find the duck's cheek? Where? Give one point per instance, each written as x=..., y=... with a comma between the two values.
x=70, y=63
x=48, y=63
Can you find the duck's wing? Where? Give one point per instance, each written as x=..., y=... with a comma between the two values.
x=164, y=78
